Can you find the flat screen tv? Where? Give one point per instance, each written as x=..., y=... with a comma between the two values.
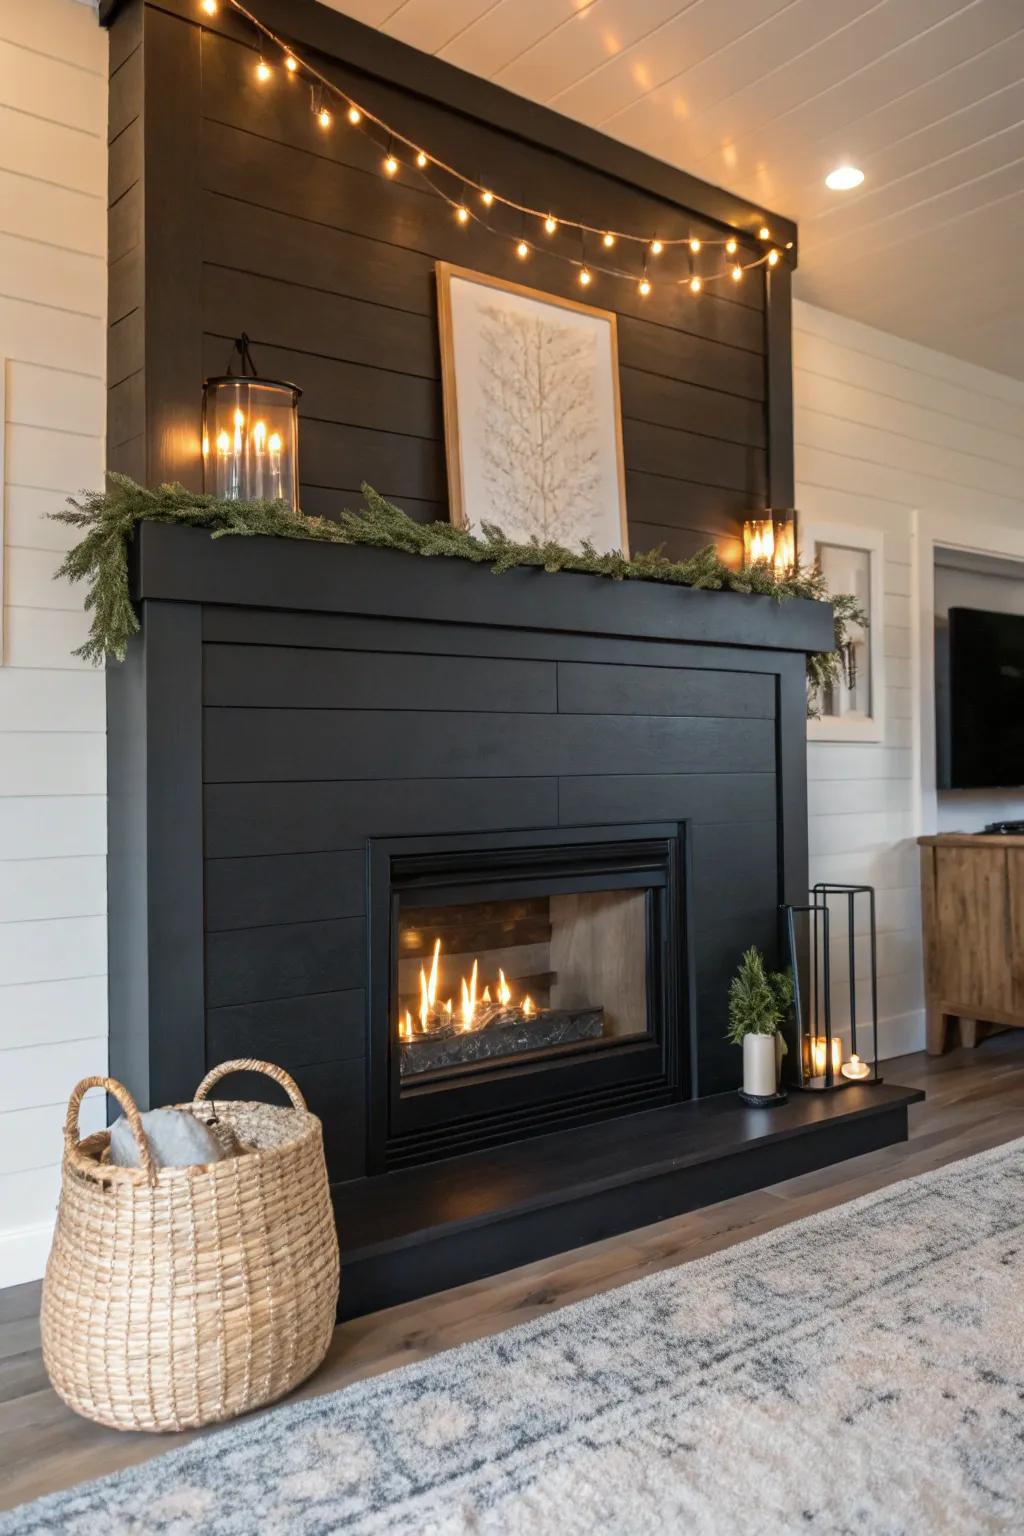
x=986, y=699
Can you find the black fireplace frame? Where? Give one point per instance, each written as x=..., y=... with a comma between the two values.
x=422, y=1122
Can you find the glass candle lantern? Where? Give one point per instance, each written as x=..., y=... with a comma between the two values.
x=771, y=538
x=251, y=439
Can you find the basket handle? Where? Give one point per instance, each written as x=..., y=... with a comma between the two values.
x=131, y=1113
x=279, y=1075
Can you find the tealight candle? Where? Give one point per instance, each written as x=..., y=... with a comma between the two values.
x=855, y=1068
x=819, y=1054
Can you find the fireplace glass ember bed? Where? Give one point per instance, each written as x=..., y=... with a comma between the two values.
x=521, y=982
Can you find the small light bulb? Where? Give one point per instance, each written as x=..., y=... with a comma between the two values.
x=487, y=198
x=323, y=117
x=210, y=7
x=608, y=241
x=695, y=285
x=694, y=245
x=764, y=233
x=731, y=247
x=550, y=225
x=462, y=213
x=391, y=165
x=737, y=273
x=263, y=70
x=656, y=247
x=584, y=277
x=354, y=115
x=291, y=65
x=421, y=160
x=773, y=258
x=644, y=287
x=522, y=250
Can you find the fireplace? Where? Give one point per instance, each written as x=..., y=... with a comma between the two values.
x=523, y=982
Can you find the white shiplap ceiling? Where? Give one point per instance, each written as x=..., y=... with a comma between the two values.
x=765, y=96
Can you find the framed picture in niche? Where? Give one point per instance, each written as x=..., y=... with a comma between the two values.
x=851, y=560
x=533, y=424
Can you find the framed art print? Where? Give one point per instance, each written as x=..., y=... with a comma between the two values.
x=533, y=426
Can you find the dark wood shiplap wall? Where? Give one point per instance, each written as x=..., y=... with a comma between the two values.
x=295, y=236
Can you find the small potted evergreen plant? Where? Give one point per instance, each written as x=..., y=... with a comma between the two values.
x=759, y=1003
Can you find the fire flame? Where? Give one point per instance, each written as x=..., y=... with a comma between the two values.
x=475, y=1007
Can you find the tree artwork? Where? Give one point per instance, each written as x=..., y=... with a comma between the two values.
x=540, y=445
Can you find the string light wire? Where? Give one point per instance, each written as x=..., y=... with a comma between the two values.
x=360, y=116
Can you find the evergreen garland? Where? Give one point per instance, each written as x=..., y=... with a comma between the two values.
x=109, y=519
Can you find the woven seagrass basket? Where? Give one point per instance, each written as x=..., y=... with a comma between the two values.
x=176, y=1297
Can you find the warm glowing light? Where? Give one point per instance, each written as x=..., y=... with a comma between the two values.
x=432, y=979
x=390, y=165
x=263, y=70
x=206, y=445
x=487, y=198
x=522, y=250
x=656, y=247
x=354, y=115
x=550, y=225
x=773, y=258
x=585, y=277
x=486, y=995
x=528, y=1006
x=239, y=418
x=737, y=273
x=223, y=442
x=608, y=241
x=844, y=178
x=695, y=285
x=424, y=1001
x=732, y=245
x=323, y=117
x=644, y=287
x=421, y=160
x=259, y=436
x=819, y=1054
x=855, y=1068
x=210, y=7
x=504, y=990
x=468, y=998
x=764, y=233
x=274, y=442
x=695, y=245
x=462, y=213
x=291, y=65
x=405, y=1026
x=758, y=540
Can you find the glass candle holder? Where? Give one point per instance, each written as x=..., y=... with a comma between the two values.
x=251, y=439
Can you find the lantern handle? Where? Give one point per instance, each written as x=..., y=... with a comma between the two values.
x=241, y=346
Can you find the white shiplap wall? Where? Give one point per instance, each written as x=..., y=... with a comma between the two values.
x=889, y=435
x=53, y=1006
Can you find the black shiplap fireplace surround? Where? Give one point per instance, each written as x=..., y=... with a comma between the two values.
x=289, y=762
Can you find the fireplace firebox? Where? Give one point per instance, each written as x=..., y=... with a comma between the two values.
x=521, y=982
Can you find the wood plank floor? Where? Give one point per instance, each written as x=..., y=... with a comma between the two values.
x=975, y=1101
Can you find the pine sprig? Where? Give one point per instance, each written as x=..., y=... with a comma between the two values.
x=108, y=520
x=759, y=1000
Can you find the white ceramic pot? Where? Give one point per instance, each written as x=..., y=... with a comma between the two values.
x=759, y=1065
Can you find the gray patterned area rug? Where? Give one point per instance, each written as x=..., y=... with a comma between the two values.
x=860, y=1371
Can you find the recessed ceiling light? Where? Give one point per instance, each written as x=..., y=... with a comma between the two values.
x=844, y=178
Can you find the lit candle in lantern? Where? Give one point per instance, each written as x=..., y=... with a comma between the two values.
x=236, y=457
x=855, y=1069
x=819, y=1054
x=259, y=443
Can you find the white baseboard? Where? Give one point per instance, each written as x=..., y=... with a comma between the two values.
x=902, y=1034
x=23, y=1252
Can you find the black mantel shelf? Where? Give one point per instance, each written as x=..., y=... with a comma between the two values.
x=187, y=565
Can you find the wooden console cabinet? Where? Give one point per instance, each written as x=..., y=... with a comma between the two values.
x=972, y=907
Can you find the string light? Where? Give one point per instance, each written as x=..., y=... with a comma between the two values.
x=653, y=246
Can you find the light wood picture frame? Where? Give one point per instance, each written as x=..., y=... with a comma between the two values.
x=533, y=418
x=852, y=560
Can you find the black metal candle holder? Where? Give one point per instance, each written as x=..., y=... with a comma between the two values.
x=815, y=1034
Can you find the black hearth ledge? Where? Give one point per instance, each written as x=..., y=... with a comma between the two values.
x=407, y=1234
x=173, y=564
